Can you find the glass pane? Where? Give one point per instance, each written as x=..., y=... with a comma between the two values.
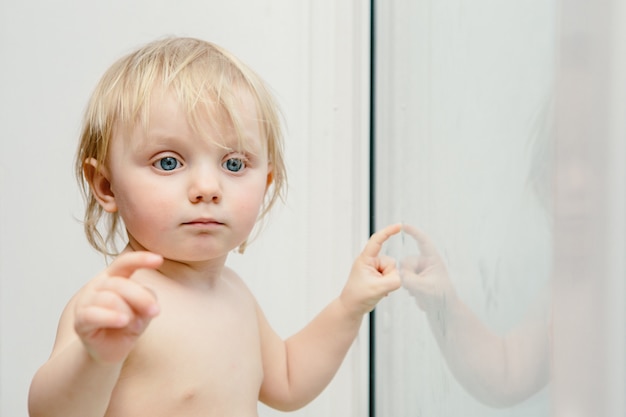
x=476, y=120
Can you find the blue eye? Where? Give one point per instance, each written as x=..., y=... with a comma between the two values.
x=234, y=164
x=169, y=163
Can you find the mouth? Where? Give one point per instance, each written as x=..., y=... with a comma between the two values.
x=203, y=222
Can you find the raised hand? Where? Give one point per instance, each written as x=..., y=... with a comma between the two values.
x=372, y=276
x=424, y=274
x=112, y=311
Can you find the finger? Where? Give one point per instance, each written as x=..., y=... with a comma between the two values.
x=376, y=241
x=104, y=301
x=416, y=264
x=410, y=263
x=391, y=282
x=424, y=242
x=386, y=264
x=412, y=283
x=139, y=298
x=127, y=263
x=96, y=317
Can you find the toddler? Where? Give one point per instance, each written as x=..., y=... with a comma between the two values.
x=181, y=150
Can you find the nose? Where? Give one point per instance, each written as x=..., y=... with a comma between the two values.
x=204, y=186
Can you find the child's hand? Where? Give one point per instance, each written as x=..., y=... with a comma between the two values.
x=372, y=276
x=425, y=275
x=113, y=311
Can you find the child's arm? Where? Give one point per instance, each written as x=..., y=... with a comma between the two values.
x=298, y=369
x=97, y=330
x=498, y=370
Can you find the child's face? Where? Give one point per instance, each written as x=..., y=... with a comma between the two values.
x=179, y=193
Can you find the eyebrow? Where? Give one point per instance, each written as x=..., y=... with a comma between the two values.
x=228, y=143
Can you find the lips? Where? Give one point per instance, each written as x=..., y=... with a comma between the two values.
x=206, y=222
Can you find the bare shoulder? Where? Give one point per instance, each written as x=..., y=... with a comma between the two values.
x=241, y=289
x=229, y=275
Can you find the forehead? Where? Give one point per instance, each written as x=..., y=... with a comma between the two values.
x=231, y=122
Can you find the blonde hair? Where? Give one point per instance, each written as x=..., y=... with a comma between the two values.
x=202, y=75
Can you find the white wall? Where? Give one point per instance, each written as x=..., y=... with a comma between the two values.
x=314, y=55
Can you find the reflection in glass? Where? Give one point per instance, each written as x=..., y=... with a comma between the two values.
x=500, y=146
x=498, y=370
x=464, y=152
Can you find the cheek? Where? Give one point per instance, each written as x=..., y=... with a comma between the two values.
x=139, y=208
x=251, y=202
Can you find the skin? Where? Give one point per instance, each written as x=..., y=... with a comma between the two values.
x=167, y=329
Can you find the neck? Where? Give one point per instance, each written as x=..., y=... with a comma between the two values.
x=201, y=274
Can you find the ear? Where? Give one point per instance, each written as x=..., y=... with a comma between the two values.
x=98, y=178
x=270, y=178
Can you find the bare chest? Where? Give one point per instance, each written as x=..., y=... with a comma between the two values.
x=200, y=356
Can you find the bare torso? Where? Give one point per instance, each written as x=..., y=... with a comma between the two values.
x=200, y=357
